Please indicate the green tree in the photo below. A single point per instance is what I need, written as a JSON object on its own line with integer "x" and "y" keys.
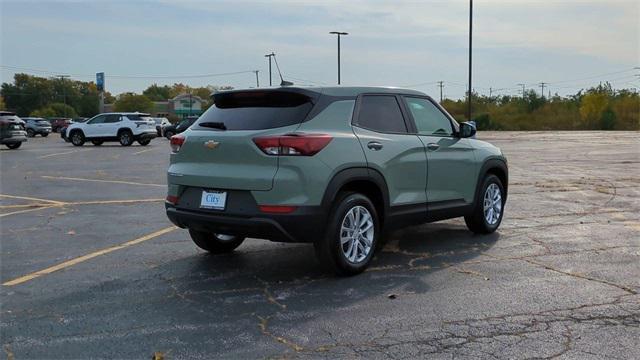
{"x": 157, "y": 93}
{"x": 592, "y": 106}
{"x": 133, "y": 102}
{"x": 2, "y": 104}
{"x": 55, "y": 110}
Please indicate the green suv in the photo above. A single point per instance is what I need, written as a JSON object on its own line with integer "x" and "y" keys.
{"x": 332, "y": 166}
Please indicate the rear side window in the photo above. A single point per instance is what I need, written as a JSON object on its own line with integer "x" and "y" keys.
{"x": 381, "y": 113}
{"x": 256, "y": 110}
{"x": 133, "y": 117}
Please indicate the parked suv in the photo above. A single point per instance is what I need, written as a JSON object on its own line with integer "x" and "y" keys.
{"x": 37, "y": 126}
{"x": 161, "y": 122}
{"x": 332, "y": 166}
{"x": 123, "y": 127}
{"x": 12, "y": 132}
{"x": 59, "y": 123}
{"x": 181, "y": 126}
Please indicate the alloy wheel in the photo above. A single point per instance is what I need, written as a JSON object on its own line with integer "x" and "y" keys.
{"x": 492, "y": 204}
{"x": 356, "y": 234}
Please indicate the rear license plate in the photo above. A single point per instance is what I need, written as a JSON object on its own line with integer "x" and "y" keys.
{"x": 213, "y": 200}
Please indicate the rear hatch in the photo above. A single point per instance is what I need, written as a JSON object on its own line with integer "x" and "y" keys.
{"x": 219, "y": 152}
{"x": 143, "y": 121}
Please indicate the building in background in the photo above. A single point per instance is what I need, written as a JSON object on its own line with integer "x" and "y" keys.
{"x": 181, "y": 106}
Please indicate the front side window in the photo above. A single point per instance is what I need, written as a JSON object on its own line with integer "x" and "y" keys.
{"x": 381, "y": 113}
{"x": 428, "y": 118}
{"x": 97, "y": 120}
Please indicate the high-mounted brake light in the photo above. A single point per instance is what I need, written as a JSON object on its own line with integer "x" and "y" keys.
{"x": 176, "y": 143}
{"x": 294, "y": 144}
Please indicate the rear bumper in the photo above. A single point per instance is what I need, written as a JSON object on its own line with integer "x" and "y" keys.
{"x": 305, "y": 224}
{"x": 146, "y": 136}
{"x": 14, "y": 139}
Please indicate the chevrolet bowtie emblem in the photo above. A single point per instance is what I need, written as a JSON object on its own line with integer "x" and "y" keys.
{"x": 211, "y": 144}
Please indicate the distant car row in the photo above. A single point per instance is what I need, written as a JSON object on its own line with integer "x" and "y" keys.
{"x": 123, "y": 127}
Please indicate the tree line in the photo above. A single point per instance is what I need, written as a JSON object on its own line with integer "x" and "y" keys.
{"x": 597, "y": 108}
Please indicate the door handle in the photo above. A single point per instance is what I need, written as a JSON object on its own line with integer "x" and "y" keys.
{"x": 433, "y": 146}
{"x": 374, "y": 145}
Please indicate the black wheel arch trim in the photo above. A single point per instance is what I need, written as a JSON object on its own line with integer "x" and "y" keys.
{"x": 348, "y": 175}
{"x": 494, "y": 162}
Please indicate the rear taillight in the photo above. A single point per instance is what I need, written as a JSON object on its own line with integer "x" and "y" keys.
{"x": 171, "y": 199}
{"x": 294, "y": 144}
{"x": 176, "y": 142}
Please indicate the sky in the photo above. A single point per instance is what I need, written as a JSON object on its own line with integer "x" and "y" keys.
{"x": 567, "y": 44}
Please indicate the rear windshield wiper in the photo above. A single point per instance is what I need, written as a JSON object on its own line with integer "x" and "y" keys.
{"x": 214, "y": 125}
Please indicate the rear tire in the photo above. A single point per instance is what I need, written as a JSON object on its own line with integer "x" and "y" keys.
{"x": 125, "y": 137}
{"x": 215, "y": 243}
{"x": 44, "y": 134}
{"x": 97, "y": 142}
{"x": 144, "y": 142}
{"x": 31, "y": 133}
{"x": 489, "y": 207}
{"x": 13, "y": 146}
{"x": 169, "y": 134}
{"x": 77, "y": 138}
{"x": 352, "y": 235}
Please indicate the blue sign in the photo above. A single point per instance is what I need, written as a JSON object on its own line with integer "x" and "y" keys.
{"x": 100, "y": 81}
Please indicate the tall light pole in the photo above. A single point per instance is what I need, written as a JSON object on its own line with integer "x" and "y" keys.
{"x": 339, "y": 33}
{"x": 470, "y": 43}
{"x": 64, "y": 92}
{"x": 257, "y": 81}
{"x": 270, "y": 56}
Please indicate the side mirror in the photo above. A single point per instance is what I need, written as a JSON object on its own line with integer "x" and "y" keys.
{"x": 467, "y": 129}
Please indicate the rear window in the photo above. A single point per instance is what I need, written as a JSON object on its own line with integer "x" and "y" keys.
{"x": 256, "y": 110}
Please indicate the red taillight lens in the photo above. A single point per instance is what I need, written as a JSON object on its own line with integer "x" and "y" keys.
{"x": 171, "y": 199}
{"x": 277, "y": 209}
{"x": 295, "y": 144}
{"x": 176, "y": 142}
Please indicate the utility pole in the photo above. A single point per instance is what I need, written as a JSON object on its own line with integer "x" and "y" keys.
{"x": 64, "y": 92}
{"x": 490, "y": 92}
{"x": 523, "y": 90}
{"x": 338, "y": 33}
{"x": 257, "y": 81}
{"x": 542, "y": 84}
{"x": 470, "y": 47}
{"x": 440, "y": 85}
{"x": 270, "y": 56}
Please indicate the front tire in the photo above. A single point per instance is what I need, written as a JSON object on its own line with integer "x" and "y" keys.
{"x": 489, "y": 207}
{"x": 13, "y": 146}
{"x": 144, "y": 142}
{"x": 215, "y": 243}
{"x": 44, "y": 134}
{"x": 352, "y": 235}
{"x": 77, "y": 138}
{"x": 125, "y": 137}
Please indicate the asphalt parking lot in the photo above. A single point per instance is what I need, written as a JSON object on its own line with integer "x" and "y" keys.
{"x": 91, "y": 267}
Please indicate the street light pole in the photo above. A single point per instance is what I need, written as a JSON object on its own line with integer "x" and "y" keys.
{"x": 339, "y": 34}
{"x": 470, "y": 43}
{"x": 64, "y": 92}
{"x": 270, "y": 56}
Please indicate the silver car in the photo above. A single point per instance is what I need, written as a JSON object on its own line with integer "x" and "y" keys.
{"x": 37, "y": 126}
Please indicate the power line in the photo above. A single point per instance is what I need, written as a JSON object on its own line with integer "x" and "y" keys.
{"x": 132, "y": 76}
